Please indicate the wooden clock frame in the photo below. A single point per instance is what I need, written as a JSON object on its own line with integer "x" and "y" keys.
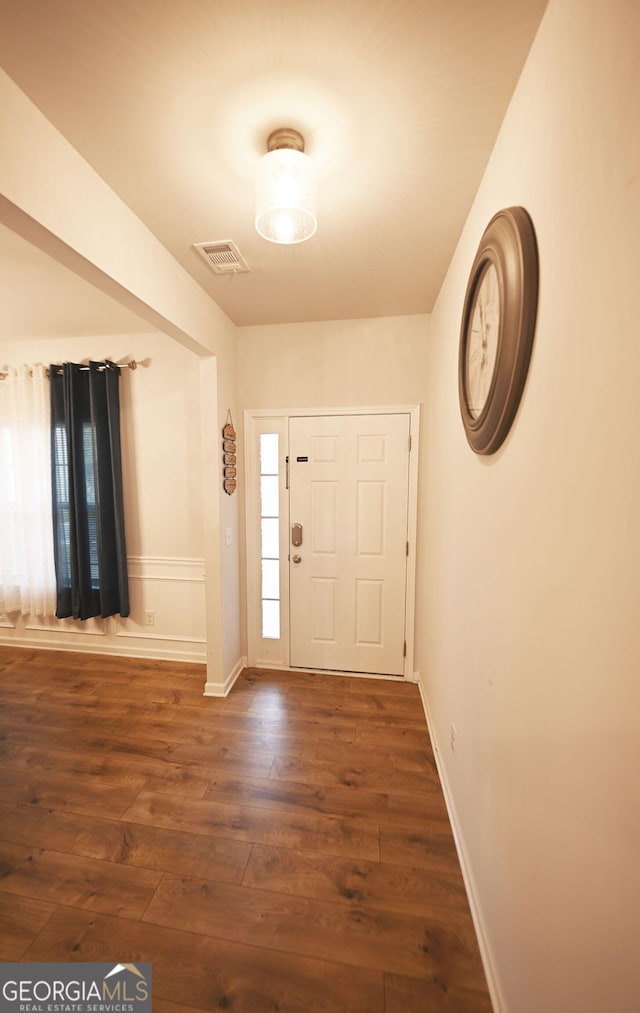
{"x": 509, "y": 243}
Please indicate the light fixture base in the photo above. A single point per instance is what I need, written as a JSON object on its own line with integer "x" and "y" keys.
{"x": 285, "y": 137}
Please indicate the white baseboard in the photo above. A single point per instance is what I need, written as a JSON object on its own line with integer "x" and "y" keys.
{"x": 486, "y": 953}
{"x": 196, "y": 656}
{"x": 215, "y": 689}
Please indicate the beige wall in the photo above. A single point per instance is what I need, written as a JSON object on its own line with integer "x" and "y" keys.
{"x": 528, "y": 600}
{"x": 337, "y": 362}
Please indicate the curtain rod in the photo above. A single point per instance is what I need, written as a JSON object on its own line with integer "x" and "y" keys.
{"x": 132, "y": 364}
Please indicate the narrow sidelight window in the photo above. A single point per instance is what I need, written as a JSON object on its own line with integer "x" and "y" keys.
{"x": 270, "y": 536}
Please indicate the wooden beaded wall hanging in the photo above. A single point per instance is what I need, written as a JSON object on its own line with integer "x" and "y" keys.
{"x": 229, "y": 458}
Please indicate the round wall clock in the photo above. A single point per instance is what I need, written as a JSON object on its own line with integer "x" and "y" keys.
{"x": 498, "y": 323}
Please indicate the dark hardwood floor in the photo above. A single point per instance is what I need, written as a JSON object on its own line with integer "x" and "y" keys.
{"x": 286, "y": 848}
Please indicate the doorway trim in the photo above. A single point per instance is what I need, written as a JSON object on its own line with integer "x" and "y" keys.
{"x": 275, "y": 654}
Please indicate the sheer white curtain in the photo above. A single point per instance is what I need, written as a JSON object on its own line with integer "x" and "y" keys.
{"x": 27, "y": 575}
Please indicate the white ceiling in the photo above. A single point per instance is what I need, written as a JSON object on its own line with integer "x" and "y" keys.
{"x": 171, "y": 102}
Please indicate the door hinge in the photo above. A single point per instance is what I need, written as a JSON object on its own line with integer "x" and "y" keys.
{"x": 407, "y": 548}
{"x": 409, "y": 443}
{"x": 286, "y": 472}
{"x": 404, "y": 652}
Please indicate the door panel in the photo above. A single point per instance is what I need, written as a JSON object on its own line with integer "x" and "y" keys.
{"x": 348, "y": 490}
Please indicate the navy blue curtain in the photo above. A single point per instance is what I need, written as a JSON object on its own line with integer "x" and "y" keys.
{"x": 86, "y": 478}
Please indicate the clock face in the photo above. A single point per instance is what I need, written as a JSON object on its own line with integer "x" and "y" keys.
{"x": 482, "y": 341}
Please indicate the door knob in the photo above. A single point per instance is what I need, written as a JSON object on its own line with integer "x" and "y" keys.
{"x": 297, "y": 559}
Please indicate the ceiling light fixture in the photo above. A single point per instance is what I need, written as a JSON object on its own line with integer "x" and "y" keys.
{"x": 286, "y": 190}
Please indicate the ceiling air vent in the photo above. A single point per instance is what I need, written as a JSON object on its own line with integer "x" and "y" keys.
{"x": 223, "y": 257}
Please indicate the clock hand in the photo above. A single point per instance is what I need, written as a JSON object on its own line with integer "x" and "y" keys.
{"x": 483, "y": 327}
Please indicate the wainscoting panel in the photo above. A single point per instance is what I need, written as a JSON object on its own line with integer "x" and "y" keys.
{"x": 88, "y": 627}
{"x": 167, "y": 619}
{"x": 167, "y": 608}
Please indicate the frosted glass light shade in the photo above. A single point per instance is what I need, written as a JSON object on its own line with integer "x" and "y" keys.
{"x": 286, "y": 197}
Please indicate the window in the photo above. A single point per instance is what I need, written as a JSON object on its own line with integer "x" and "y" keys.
{"x": 270, "y": 535}
{"x": 61, "y": 461}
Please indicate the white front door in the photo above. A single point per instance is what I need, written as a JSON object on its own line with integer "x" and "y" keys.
{"x": 349, "y": 479}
